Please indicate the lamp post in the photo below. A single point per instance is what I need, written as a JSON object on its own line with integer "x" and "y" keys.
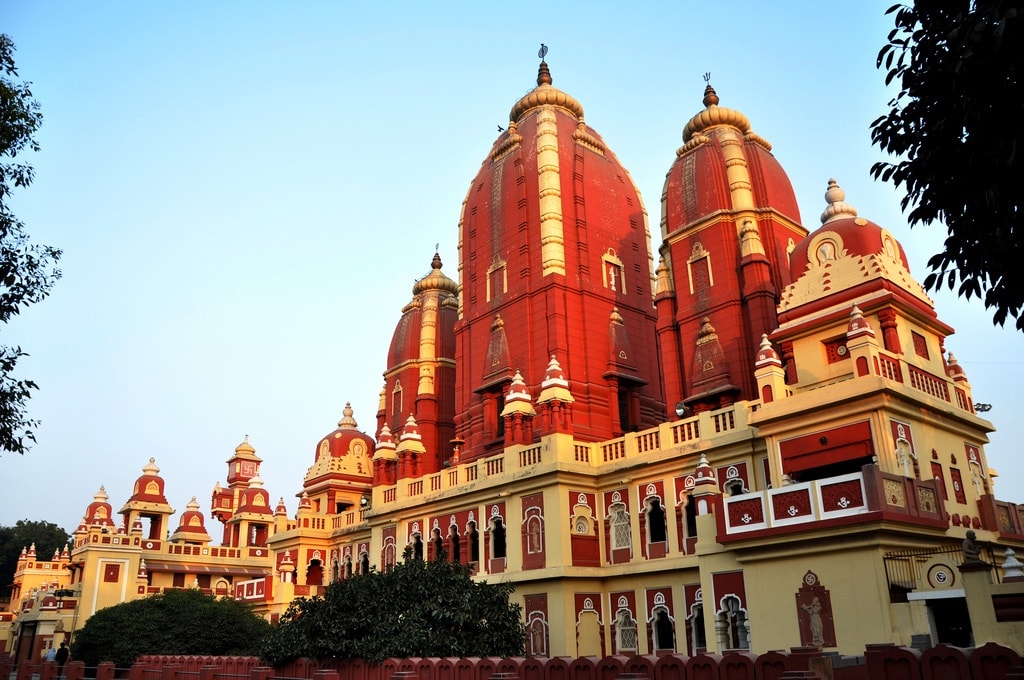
{"x": 60, "y": 595}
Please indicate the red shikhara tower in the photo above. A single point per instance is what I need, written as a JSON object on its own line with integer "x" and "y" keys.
{"x": 555, "y": 272}
{"x": 415, "y": 416}
{"x": 729, "y": 221}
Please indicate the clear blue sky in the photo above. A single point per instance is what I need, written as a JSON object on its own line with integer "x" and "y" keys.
{"x": 246, "y": 191}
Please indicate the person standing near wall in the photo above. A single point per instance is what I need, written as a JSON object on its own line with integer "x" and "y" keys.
{"x": 61, "y": 657}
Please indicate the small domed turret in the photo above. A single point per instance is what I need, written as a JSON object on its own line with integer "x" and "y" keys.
{"x": 150, "y": 486}
{"x": 192, "y": 528}
{"x": 346, "y": 451}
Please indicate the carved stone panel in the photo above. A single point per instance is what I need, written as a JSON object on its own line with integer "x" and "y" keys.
{"x": 814, "y": 613}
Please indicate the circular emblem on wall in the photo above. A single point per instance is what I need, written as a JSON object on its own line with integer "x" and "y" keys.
{"x": 259, "y": 553}
{"x": 149, "y": 545}
{"x": 810, "y": 578}
{"x": 941, "y": 576}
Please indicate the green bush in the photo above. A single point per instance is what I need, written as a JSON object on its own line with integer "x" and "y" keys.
{"x": 174, "y": 622}
{"x": 416, "y": 609}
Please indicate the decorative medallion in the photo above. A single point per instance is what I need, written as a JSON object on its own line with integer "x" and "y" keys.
{"x": 941, "y": 576}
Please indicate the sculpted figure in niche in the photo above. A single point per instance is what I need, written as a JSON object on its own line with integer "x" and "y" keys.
{"x": 817, "y": 627}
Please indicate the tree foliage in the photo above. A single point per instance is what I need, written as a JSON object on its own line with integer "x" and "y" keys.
{"x": 955, "y": 128}
{"x": 416, "y": 609}
{"x": 27, "y": 270}
{"x": 180, "y": 621}
{"x": 46, "y": 536}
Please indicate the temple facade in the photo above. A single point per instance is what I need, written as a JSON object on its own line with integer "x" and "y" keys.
{"x": 755, "y": 440}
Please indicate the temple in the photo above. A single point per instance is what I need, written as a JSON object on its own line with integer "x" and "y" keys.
{"x": 754, "y": 438}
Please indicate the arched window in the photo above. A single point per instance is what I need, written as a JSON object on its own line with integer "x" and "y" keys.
{"x": 315, "y": 573}
{"x": 473, "y": 538}
{"x": 734, "y": 487}
{"x": 396, "y": 399}
{"x": 389, "y": 553}
{"x": 455, "y": 544}
{"x": 691, "y": 516}
{"x": 364, "y": 563}
{"x": 348, "y": 566}
{"x": 698, "y": 638}
{"x": 735, "y": 633}
{"x": 437, "y": 543}
{"x": 497, "y": 537}
{"x": 664, "y": 635}
{"x": 656, "y": 527}
{"x": 335, "y": 570}
{"x": 625, "y": 632}
{"x": 621, "y": 536}
{"x": 417, "y": 547}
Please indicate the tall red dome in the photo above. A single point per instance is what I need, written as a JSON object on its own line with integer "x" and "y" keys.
{"x": 420, "y": 377}
{"x": 729, "y": 220}
{"x": 553, "y": 239}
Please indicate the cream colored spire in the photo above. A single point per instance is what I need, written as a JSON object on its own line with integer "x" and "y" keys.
{"x": 431, "y": 290}
{"x": 663, "y": 278}
{"x": 552, "y": 233}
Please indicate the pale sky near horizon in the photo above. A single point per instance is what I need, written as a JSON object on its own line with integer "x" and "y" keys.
{"x": 245, "y": 193}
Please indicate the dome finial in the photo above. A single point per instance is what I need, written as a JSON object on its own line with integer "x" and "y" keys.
{"x": 542, "y": 95}
{"x": 435, "y": 278}
{"x": 837, "y": 205}
{"x": 543, "y": 73}
{"x": 710, "y": 96}
{"x": 347, "y": 421}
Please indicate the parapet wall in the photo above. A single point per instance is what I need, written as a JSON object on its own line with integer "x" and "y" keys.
{"x": 880, "y": 662}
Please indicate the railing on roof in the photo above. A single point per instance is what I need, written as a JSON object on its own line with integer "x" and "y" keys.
{"x": 729, "y": 422}
{"x": 937, "y": 386}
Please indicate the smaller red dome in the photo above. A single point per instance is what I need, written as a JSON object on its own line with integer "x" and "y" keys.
{"x": 842, "y": 233}
{"x": 192, "y": 519}
{"x": 193, "y": 525}
{"x": 345, "y": 451}
{"x": 99, "y": 512}
{"x": 150, "y": 486}
{"x": 345, "y": 440}
{"x": 255, "y": 499}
